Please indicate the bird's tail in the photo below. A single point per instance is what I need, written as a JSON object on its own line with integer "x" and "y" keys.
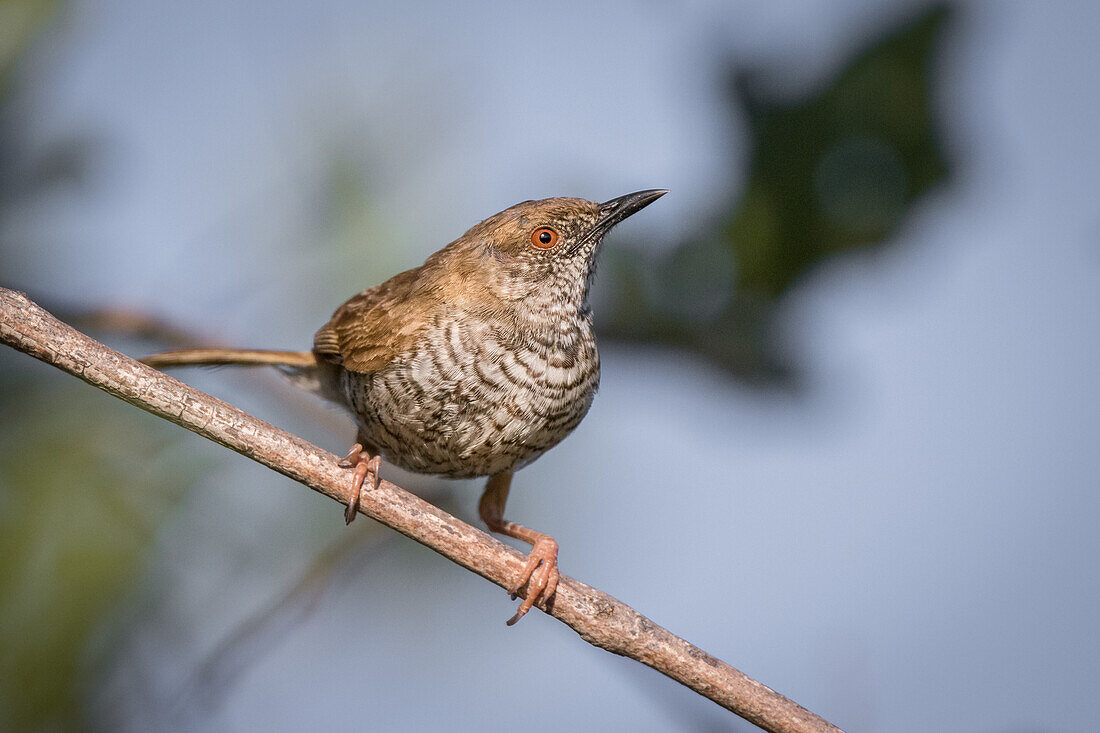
{"x": 232, "y": 357}
{"x": 300, "y": 367}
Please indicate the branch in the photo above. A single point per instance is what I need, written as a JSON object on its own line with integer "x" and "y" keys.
{"x": 598, "y": 618}
{"x": 134, "y": 324}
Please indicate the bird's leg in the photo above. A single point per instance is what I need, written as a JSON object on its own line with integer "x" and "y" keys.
{"x": 544, "y": 548}
{"x": 365, "y": 465}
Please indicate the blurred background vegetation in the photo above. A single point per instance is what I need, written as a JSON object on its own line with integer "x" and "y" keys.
{"x": 830, "y": 172}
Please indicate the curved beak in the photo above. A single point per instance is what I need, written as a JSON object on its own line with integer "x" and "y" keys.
{"x": 617, "y": 209}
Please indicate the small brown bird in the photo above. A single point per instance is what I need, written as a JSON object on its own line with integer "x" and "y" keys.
{"x": 473, "y": 364}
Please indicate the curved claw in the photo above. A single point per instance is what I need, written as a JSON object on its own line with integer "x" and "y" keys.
{"x": 541, "y": 584}
{"x": 365, "y": 465}
{"x": 352, "y": 457}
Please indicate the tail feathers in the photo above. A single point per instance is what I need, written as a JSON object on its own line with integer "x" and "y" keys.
{"x": 231, "y": 357}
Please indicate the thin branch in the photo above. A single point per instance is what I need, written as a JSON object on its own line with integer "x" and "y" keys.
{"x": 598, "y": 618}
{"x": 134, "y": 324}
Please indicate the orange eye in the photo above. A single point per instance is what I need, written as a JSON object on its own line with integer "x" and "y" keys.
{"x": 544, "y": 238}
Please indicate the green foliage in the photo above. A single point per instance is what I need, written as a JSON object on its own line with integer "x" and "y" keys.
{"x": 830, "y": 173}
{"x": 77, "y": 513}
{"x": 836, "y": 171}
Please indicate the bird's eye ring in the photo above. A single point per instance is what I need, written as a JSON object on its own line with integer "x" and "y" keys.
{"x": 544, "y": 237}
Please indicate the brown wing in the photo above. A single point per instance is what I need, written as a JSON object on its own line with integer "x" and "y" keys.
{"x": 372, "y": 328}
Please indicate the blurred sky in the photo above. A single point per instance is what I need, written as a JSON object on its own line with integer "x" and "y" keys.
{"x": 908, "y": 545}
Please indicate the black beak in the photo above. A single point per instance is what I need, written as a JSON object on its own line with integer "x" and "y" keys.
{"x": 617, "y": 209}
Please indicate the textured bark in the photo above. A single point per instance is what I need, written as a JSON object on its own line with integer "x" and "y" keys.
{"x": 598, "y": 618}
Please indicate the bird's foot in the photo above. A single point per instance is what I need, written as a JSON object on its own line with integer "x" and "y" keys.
{"x": 540, "y": 574}
{"x": 365, "y": 465}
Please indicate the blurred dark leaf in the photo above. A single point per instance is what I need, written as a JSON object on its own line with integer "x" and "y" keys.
{"x": 839, "y": 170}
{"x": 833, "y": 172}
{"x": 66, "y": 161}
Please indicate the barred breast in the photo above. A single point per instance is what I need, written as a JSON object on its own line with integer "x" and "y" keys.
{"x": 474, "y": 398}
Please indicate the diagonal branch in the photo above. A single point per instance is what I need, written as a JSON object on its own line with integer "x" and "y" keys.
{"x": 598, "y": 618}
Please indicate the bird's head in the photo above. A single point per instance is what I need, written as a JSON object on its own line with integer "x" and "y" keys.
{"x": 547, "y": 246}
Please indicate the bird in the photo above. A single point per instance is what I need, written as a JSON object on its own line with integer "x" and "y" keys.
{"x": 473, "y": 364}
